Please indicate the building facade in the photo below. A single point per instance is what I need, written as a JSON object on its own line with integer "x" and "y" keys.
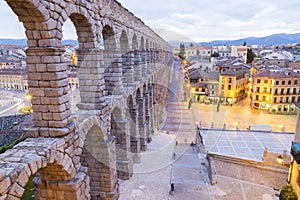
{"x": 239, "y": 51}
{"x": 275, "y": 90}
{"x": 234, "y": 85}
{"x": 199, "y": 51}
{"x": 13, "y": 79}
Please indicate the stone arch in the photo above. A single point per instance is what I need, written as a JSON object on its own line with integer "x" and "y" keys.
{"x": 132, "y": 114}
{"x": 85, "y": 30}
{"x": 42, "y": 158}
{"x": 142, "y": 43}
{"x": 147, "y": 101}
{"x": 112, "y": 62}
{"x": 141, "y": 118}
{"x": 35, "y": 18}
{"x": 108, "y": 35}
{"x": 85, "y": 56}
{"x": 120, "y": 130}
{"x": 135, "y": 44}
{"x": 127, "y": 61}
{"x": 124, "y": 43}
{"x": 98, "y": 155}
{"x": 147, "y": 44}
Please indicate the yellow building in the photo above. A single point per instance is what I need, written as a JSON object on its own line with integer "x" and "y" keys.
{"x": 234, "y": 84}
{"x": 13, "y": 79}
{"x": 275, "y": 90}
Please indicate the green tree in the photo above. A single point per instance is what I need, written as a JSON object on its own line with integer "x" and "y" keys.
{"x": 182, "y": 54}
{"x": 288, "y": 193}
{"x": 245, "y": 43}
{"x": 198, "y": 52}
{"x": 250, "y": 55}
{"x": 191, "y": 45}
{"x": 215, "y": 54}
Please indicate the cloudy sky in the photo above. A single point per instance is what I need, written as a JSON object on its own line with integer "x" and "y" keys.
{"x": 196, "y": 20}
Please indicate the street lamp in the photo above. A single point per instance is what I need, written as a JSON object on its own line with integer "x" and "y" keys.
{"x": 236, "y": 124}
{"x": 279, "y": 159}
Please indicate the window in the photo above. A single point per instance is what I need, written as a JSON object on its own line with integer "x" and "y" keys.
{"x": 257, "y": 97}
{"x": 287, "y": 99}
{"x": 294, "y": 90}
{"x": 265, "y": 90}
{"x": 282, "y": 91}
{"x": 288, "y": 91}
{"x": 213, "y": 92}
{"x": 277, "y": 82}
{"x": 265, "y": 81}
{"x": 293, "y": 99}
{"x": 258, "y": 80}
{"x": 257, "y": 89}
{"x": 264, "y": 98}
{"x": 276, "y": 91}
{"x": 213, "y": 87}
{"x": 229, "y": 87}
{"x": 295, "y": 82}
{"x": 275, "y": 99}
{"x": 229, "y": 80}
{"x": 281, "y": 99}
{"x": 289, "y": 82}
{"x": 283, "y": 83}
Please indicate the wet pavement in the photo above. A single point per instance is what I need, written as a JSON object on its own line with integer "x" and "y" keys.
{"x": 241, "y": 116}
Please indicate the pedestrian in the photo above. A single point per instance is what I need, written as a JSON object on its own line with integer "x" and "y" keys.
{"x": 172, "y": 191}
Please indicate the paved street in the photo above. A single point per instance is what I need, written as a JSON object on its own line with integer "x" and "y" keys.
{"x": 12, "y": 109}
{"x": 187, "y": 168}
{"x": 242, "y": 115}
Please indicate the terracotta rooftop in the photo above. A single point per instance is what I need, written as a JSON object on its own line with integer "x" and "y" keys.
{"x": 294, "y": 65}
{"x": 277, "y": 74}
{"x": 234, "y": 72}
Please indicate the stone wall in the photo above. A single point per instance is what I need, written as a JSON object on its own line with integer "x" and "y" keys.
{"x": 247, "y": 170}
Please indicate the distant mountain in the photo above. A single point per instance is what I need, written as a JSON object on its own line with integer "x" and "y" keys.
{"x": 18, "y": 42}
{"x": 281, "y": 38}
{"x": 23, "y": 42}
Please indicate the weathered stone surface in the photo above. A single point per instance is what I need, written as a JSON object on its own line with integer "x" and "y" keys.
{"x": 17, "y": 190}
{"x": 4, "y": 185}
{"x": 2, "y": 174}
{"x": 109, "y": 79}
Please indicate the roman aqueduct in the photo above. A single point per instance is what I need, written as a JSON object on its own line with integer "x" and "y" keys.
{"x": 123, "y": 90}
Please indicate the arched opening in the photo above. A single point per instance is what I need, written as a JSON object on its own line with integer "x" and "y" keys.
{"x": 120, "y": 129}
{"x": 141, "y": 120}
{"x": 98, "y": 155}
{"x": 135, "y": 44}
{"x": 70, "y": 45}
{"x": 112, "y": 61}
{"x": 147, "y": 112}
{"x": 15, "y": 99}
{"x": 83, "y": 58}
{"x": 132, "y": 114}
{"x": 137, "y": 58}
{"x": 127, "y": 58}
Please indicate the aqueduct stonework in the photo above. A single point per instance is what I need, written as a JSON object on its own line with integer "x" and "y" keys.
{"x": 123, "y": 88}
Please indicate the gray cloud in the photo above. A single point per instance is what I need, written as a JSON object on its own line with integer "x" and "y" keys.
{"x": 220, "y": 19}
{"x": 196, "y": 20}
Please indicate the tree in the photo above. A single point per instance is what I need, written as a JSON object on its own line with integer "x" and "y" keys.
{"x": 198, "y": 52}
{"x": 191, "y": 45}
{"x": 250, "y": 55}
{"x": 182, "y": 54}
{"x": 215, "y": 54}
{"x": 245, "y": 43}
